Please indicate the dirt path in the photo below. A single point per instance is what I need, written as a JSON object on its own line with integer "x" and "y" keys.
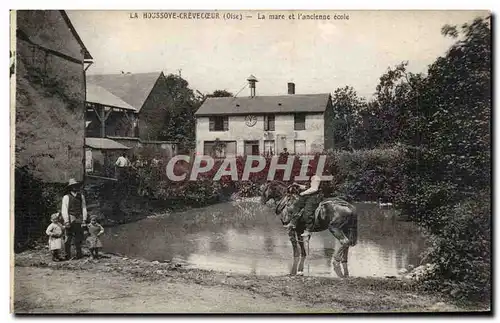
{"x": 41, "y": 290}
{"x": 121, "y": 285}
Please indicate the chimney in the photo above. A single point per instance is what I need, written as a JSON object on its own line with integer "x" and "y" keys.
{"x": 291, "y": 88}
{"x": 251, "y": 82}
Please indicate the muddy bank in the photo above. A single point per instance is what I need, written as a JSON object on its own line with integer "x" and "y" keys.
{"x": 119, "y": 284}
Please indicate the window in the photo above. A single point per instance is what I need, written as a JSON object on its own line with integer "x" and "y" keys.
{"x": 269, "y": 122}
{"x": 300, "y": 146}
{"x": 269, "y": 147}
{"x": 300, "y": 121}
{"x": 252, "y": 147}
{"x": 218, "y": 123}
{"x": 219, "y": 149}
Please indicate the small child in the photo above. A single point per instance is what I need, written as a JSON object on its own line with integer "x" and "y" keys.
{"x": 55, "y": 231}
{"x": 95, "y": 230}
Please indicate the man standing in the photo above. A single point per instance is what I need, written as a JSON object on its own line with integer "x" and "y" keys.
{"x": 284, "y": 153}
{"x": 74, "y": 213}
{"x": 308, "y": 200}
{"x": 121, "y": 164}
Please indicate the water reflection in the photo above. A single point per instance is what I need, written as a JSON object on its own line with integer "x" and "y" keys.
{"x": 249, "y": 238}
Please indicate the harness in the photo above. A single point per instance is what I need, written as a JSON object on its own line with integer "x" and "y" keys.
{"x": 282, "y": 204}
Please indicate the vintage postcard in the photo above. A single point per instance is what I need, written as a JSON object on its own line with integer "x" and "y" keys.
{"x": 186, "y": 161}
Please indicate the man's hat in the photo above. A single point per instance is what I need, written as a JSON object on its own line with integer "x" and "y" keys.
{"x": 73, "y": 182}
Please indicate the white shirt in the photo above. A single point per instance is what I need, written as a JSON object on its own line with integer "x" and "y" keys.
{"x": 315, "y": 181}
{"x": 121, "y": 162}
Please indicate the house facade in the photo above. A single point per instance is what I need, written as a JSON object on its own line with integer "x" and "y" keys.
{"x": 50, "y": 95}
{"x": 268, "y": 125}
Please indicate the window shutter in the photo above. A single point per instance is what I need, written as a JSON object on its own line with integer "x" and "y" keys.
{"x": 211, "y": 124}
{"x": 271, "y": 123}
{"x": 226, "y": 123}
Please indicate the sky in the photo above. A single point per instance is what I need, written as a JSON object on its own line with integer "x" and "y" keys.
{"x": 318, "y": 56}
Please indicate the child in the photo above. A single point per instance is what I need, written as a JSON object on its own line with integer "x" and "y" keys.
{"x": 95, "y": 230}
{"x": 55, "y": 232}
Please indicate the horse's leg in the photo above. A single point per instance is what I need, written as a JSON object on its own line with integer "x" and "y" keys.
{"x": 293, "y": 239}
{"x": 344, "y": 261}
{"x": 303, "y": 252}
{"x": 335, "y": 263}
{"x": 340, "y": 254}
{"x": 338, "y": 258}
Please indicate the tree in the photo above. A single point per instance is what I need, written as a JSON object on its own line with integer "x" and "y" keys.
{"x": 179, "y": 120}
{"x": 389, "y": 113}
{"x": 455, "y": 109}
{"x": 220, "y": 94}
{"x": 347, "y": 105}
{"x": 449, "y": 161}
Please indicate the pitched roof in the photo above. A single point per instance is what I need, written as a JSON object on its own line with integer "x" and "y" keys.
{"x": 104, "y": 144}
{"x": 134, "y": 89}
{"x": 39, "y": 28}
{"x": 265, "y": 104}
{"x": 86, "y": 53}
{"x": 100, "y": 95}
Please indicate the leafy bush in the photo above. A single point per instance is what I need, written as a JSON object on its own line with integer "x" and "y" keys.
{"x": 367, "y": 175}
{"x": 462, "y": 250}
{"x": 34, "y": 202}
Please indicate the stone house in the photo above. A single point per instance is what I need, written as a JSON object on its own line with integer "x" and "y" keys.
{"x": 256, "y": 125}
{"x": 50, "y": 95}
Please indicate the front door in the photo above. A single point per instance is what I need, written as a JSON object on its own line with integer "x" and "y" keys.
{"x": 252, "y": 147}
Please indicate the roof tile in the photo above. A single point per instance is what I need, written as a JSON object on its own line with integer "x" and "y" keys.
{"x": 131, "y": 88}
{"x": 265, "y": 104}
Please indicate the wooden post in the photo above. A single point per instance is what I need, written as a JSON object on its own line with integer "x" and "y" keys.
{"x": 102, "y": 116}
{"x": 103, "y": 122}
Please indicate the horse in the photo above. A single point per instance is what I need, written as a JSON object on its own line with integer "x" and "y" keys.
{"x": 333, "y": 214}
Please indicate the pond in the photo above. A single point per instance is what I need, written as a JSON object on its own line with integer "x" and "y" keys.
{"x": 246, "y": 237}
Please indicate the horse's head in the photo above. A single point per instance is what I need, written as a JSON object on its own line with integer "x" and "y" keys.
{"x": 265, "y": 193}
{"x": 284, "y": 208}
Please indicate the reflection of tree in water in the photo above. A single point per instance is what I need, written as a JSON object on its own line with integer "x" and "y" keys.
{"x": 269, "y": 244}
{"x": 184, "y": 246}
{"x": 383, "y": 229}
{"x": 218, "y": 242}
{"x": 253, "y": 269}
{"x": 328, "y": 247}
